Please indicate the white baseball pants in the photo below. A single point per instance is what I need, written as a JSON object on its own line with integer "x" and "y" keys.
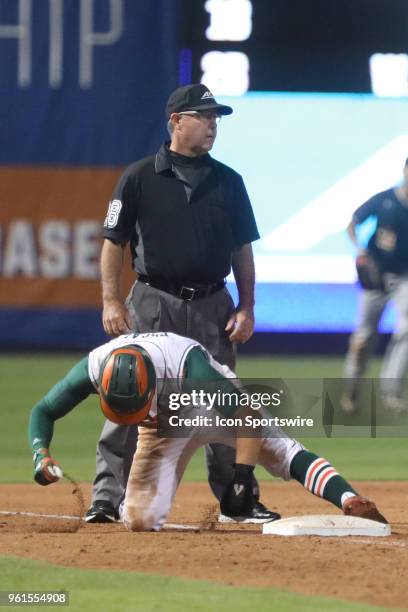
{"x": 159, "y": 464}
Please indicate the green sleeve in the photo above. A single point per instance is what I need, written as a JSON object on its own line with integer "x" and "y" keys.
{"x": 61, "y": 399}
{"x": 199, "y": 368}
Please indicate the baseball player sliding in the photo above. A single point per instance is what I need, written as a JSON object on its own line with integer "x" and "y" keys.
{"x": 134, "y": 375}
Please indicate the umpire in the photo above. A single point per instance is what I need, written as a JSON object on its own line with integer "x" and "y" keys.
{"x": 188, "y": 220}
{"x": 383, "y": 274}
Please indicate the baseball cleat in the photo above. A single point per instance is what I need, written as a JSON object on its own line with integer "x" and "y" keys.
{"x": 348, "y": 402}
{"x": 395, "y": 404}
{"x": 363, "y": 508}
{"x": 101, "y": 512}
{"x": 259, "y": 514}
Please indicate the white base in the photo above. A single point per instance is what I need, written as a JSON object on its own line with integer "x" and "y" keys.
{"x": 326, "y": 525}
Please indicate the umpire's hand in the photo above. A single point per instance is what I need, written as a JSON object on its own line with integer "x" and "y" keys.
{"x": 241, "y": 325}
{"x": 116, "y": 318}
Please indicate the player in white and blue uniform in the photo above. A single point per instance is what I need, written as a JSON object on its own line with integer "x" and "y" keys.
{"x": 388, "y": 247}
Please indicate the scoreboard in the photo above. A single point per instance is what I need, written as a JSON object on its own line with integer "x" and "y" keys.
{"x": 296, "y": 45}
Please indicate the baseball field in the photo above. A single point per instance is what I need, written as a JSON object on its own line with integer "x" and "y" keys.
{"x": 206, "y": 565}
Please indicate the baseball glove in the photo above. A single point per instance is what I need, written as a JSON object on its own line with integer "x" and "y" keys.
{"x": 369, "y": 274}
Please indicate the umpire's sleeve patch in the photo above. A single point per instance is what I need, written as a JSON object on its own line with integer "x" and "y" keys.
{"x": 112, "y": 217}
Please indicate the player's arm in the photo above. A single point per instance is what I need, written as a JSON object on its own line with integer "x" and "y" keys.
{"x": 59, "y": 401}
{"x": 368, "y": 272}
{"x": 362, "y": 260}
{"x": 351, "y": 233}
{"x": 247, "y": 447}
{"x": 199, "y": 368}
{"x": 363, "y": 212}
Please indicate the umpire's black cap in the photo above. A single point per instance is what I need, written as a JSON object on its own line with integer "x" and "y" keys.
{"x": 194, "y": 98}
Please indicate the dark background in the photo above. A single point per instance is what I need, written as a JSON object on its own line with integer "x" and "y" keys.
{"x": 306, "y": 45}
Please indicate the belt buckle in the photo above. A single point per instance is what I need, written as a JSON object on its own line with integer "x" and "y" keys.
{"x": 187, "y": 293}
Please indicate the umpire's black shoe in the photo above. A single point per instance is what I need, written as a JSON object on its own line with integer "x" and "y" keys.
{"x": 101, "y": 511}
{"x": 259, "y": 514}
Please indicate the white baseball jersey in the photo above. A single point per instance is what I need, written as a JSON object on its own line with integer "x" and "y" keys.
{"x": 167, "y": 351}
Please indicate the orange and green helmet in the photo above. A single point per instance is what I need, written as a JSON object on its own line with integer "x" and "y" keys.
{"x": 127, "y": 383}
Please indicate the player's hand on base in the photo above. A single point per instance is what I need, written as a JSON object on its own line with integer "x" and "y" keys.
{"x": 238, "y": 498}
{"x": 240, "y": 325}
{"x": 116, "y": 318}
{"x": 46, "y": 469}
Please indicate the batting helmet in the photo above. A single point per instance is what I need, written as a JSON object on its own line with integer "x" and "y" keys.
{"x": 127, "y": 383}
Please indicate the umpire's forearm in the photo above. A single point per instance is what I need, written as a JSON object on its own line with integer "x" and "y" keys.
{"x": 111, "y": 269}
{"x": 61, "y": 399}
{"x": 244, "y": 273}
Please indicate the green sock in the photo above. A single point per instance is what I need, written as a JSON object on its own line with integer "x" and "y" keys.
{"x": 320, "y": 478}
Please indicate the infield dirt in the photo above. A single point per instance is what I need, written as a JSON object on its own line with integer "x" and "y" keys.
{"x": 370, "y": 570}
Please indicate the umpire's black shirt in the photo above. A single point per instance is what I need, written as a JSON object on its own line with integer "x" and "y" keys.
{"x": 181, "y": 230}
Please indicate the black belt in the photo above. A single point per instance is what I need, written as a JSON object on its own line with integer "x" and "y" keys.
{"x": 182, "y": 291}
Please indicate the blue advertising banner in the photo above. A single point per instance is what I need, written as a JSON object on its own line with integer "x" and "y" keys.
{"x": 83, "y": 87}
{"x": 84, "y": 82}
